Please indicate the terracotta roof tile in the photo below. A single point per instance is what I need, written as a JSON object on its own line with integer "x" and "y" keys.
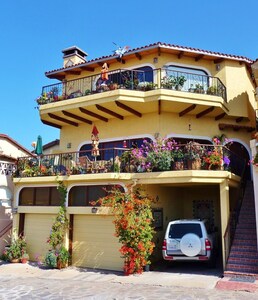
{"x": 164, "y": 45}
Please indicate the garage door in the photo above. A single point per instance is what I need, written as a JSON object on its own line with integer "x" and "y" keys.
{"x": 37, "y": 229}
{"x": 94, "y": 243}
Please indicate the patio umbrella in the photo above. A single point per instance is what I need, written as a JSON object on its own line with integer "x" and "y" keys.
{"x": 95, "y": 142}
{"x": 39, "y": 147}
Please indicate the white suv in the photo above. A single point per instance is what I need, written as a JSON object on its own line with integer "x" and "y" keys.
{"x": 189, "y": 240}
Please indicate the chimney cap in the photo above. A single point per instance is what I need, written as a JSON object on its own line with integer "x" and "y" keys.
{"x": 74, "y": 50}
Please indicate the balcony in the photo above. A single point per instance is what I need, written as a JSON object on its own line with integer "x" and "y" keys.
{"x": 191, "y": 156}
{"x": 137, "y": 80}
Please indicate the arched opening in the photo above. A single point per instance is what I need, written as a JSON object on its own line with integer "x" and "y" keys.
{"x": 239, "y": 160}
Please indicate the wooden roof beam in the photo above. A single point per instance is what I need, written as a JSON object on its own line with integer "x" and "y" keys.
{"x": 73, "y": 72}
{"x": 187, "y": 110}
{"x": 68, "y": 114}
{"x": 220, "y": 116}
{"x": 205, "y": 112}
{"x": 197, "y": 58}
{"x": 110, "y": 112}
{"x": 180, "y": 54}
{"x": 55, "y": 117}
{"x": 119, "y": 59}
{"x": 235, "y": 127}
{"x": 240, "y": 119}
{"x": 87, "y": 69}
{"x": 138, "y": 55}
{"x": 92, "y": 114}
{"x": 218, "y": 61}
{"x": 51, "y": 124}
{"x": 129, "y": 109}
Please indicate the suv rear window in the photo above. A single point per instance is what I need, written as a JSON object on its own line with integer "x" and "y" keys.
{"x": 177, "y": 231}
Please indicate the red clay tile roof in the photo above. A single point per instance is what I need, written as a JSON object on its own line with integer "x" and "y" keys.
{"x": 163, "y": 45}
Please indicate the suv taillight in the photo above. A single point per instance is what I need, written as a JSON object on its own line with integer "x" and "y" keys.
{"x": 207, "y": 245}
{"x": 164, "y": 246}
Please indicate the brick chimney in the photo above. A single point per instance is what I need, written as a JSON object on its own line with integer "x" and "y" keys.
{"x": 73, "y": 55}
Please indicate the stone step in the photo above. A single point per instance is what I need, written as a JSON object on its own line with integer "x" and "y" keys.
{"x": 243, "y": 254}
{"x": 243, "y": 268}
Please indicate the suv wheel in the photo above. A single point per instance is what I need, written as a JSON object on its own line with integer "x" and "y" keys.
{"x": 190, "y": 244}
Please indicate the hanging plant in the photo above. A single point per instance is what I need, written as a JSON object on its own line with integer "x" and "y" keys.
{"x": 133, "y": 226}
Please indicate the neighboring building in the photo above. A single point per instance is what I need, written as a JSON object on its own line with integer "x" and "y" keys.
{"x": 9, "y": 151}
{"x": 51, "y": 147}
{"x": 159, "y": 90}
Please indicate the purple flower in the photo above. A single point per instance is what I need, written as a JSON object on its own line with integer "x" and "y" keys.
{"x": 226, "y": 160}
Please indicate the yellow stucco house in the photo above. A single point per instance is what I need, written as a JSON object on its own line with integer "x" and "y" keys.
{"x": 155, "y": 91}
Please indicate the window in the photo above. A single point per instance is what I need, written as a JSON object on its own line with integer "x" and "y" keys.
{"x": 84, "y": 195}
{"x": 194, "y": 78}
{"x": 107, "y": 150}
{"x": 39, "y": 196}
{"x": 146, "y": 74}
{"x": 131, "y": 78}
{"x": 177, "y": 231}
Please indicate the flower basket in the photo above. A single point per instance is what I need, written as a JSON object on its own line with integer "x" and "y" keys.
{"x": 194, "y": 164}
{"x": 179, "y": 165}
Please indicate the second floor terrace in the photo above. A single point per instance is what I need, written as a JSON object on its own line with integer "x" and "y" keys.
{"x": 146, "y": 159}
{"x": 166, "y": 78}
{"x": 165, "y": 84}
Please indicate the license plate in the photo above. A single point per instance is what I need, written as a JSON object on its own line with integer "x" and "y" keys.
{"x": 173, "y": 245}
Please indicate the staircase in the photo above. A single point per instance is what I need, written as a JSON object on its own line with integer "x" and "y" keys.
{"x": 243, "y": 257}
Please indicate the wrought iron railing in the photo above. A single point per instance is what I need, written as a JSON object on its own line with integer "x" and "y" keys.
{"x": 165, "y": 78}
{"x": 126, "y": 161}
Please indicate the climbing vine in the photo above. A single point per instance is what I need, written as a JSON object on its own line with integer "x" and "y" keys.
{"x": 57, "y": 251}
{"x": 133, "y": 226}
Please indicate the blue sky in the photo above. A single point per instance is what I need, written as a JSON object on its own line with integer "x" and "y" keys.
{"x": 33, "y": 34}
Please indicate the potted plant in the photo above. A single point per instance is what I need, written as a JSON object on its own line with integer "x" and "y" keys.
{"x": 214, "y": 160}
{"x": 113, "y": 86}
{"x": 167, "y": 82}
{"x": 50, "y": 259}
{"x": 212, "y": 90}
{"x": 191, "y": 89}
{"x": 62, "y": 258}
{"x": 179, "y": 82}
{"x": 199, "y": 88}
{"x": 146, "y": 86}
{"x": 173, "y": 82}
{"x": 178, "y": 157}
{"x": 194, "y": 154}
{"x": 24, "y": 258}
{"x": 17, "y": 247}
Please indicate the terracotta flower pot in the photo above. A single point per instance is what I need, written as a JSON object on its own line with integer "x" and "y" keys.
{"x": 15, "y": 260}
